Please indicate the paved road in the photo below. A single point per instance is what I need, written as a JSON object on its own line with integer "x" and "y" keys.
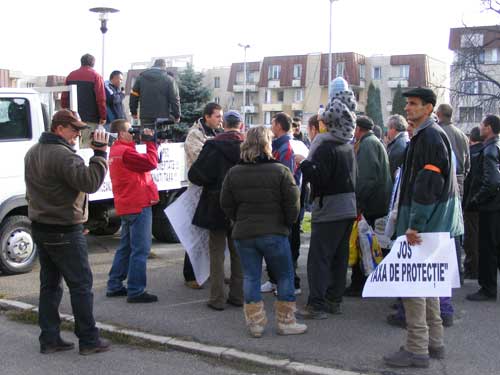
{"x": 355, "y": 340}
{"x": 19, "y": 355}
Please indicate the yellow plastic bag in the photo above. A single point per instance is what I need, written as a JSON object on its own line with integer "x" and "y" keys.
{"x": 354, "y": 245}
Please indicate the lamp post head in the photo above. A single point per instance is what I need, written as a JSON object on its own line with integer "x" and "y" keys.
{"x": 103, "y": 16}
{"x": 245, "y": 46}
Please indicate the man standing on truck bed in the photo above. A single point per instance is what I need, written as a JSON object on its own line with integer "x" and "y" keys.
{"x": 157, "y": 93}
{"x": 57, "y": 186}
{"x": 91, "y": 96}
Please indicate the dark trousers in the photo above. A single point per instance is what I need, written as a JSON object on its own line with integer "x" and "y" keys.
{"x": 188, "y": 269}
{"x": 64, "y": 255}
{"x": 489, "y": 251}
{"x": 327, "y": 261}
{"x": 294, "y": 239}
{"x": 471, "y": 242}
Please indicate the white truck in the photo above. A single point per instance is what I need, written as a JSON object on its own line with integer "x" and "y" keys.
{"x": 24, "y": 115}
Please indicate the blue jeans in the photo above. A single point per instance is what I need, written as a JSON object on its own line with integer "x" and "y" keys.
{"x": 132, "y": 254}
{"x": 276, "y": 251}
{"x": 64, "y": 255}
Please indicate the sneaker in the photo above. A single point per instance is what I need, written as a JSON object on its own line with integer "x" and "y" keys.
{"x": 404, "y": 358}
{"x": 117, "y": 293}
{"x": 193, "y": 284}
{"x": 60, "y": 346}
{"x": 396, "y": 320}
{"x": 447, "y": 320}
{"x": 480, "y": 296}
{"x": 437, "y": 352}
{"x": 143, "y": 298}
{"x": 102, "y": 345}
{"x": 311, "y": 313}
{"x": 267, "y": 287}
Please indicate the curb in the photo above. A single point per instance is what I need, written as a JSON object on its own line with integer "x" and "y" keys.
{"x": 213, "y": 351}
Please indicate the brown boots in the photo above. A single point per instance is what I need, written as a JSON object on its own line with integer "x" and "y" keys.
{"x": 285, "y": 317}
{"x": 255, "y": 317}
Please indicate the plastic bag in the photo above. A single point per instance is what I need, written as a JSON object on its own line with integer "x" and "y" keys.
{"x": 354, "y": 245}
{"x": 371, "y": 253}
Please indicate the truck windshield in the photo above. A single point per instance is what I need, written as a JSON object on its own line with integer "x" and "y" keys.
{"x": 14, "y": 119}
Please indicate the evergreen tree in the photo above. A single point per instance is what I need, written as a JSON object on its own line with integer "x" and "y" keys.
{"x": 373, "y": 105}
{"x": 398, "y": 102}
{"x": 194, "y": 95}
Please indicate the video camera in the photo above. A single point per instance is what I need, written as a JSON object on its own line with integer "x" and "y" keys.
{"x": 163, "y": 129}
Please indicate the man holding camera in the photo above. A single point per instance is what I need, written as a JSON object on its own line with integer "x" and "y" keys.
{"x": 57, "y": 186}
{"x": 134, "y": 193}
{"x": 158, "y": 95}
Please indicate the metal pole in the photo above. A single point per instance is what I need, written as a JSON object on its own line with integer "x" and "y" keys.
{"x": 330, "y": 50}
{"x": 244, "y": 84}
{"x": 103, "y": 56}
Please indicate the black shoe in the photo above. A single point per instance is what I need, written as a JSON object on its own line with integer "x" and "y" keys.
{"x": 234, "y": 303}
{"x": 447, "y": 320}
{"x": 352, "y": 292}
{"x": 60, "y": 346}
{"x": 102, "y": 345}
{"x": 143, "y": 298}
{"x": 215, "y": 307}
{"x": 118, "y": 293}
{"x": 334, "y": 308}
{"x": 480, "y": 296}
{"x": 437, "y": 352}
{"x": 396, "y": 320}
{"x": 311, "y": 313}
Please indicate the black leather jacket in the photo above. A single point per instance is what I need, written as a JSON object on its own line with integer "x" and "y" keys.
{"x": 487, "y": 198}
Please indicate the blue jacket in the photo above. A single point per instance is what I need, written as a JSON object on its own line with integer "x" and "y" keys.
{"x": 283, "y": 152}
{"x": 114, "y": 102}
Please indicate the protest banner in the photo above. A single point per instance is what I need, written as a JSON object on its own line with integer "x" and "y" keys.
{"x": 426, "y": 270}
{"x": 194, "y": 239}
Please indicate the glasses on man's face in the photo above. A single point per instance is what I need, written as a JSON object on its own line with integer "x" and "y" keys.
{"x": 76, "y": 129}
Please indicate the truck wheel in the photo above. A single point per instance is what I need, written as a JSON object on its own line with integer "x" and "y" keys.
{"x": 17, "y": 248}
{"x": 162, "y": 229}
{"x": 107, "y": 230}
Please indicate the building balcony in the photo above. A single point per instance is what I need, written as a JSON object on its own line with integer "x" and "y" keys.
{"x": 395, "y": 81}
{"x": 272, "y": 107}
{"x": 249, "y": 109}
{"x": 273, "y": 84}
{"x": 296, "y": 82}
{"x": 251, "y": 87}
{"x": 298, "y": 106}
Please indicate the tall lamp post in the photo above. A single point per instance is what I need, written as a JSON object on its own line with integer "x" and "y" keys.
{"x": 103, "y": 17}
{"x": 330, "y": 48}
{"x": 244, "y": 46}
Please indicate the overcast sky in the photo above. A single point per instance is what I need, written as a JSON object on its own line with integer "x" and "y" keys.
{"x": 49, "y": 37}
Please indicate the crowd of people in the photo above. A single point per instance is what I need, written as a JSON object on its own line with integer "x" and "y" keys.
{"x": 255, "y": 189}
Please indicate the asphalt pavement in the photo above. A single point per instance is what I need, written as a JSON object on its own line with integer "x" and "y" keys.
{"x": 355, "y": 340}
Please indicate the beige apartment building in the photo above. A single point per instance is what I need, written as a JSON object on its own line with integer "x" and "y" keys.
{"x": 474, "y": 74}
{"x": 298, "y": 84}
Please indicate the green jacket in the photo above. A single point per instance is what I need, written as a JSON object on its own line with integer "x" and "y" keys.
{"x": 260, "y": 198}
{"x": 374, "y": 184}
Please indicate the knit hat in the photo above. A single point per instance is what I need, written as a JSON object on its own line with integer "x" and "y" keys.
{"x": 339, "y": 116}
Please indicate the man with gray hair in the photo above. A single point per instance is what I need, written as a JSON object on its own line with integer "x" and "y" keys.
{"x": 398, "y": 138}
{"x": 156, "y": 92}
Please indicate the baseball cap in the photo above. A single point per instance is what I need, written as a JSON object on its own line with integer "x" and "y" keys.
{"x": 68, "y": 117}
{"x": 423, "y": 93}
{"x": 234, "y": 115}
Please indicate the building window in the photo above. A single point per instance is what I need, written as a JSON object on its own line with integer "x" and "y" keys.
{"x": 217, "y": 100}
{"x": 281, "y": 96}
{"x": 470, "y": 114}
{"x": 404, "y": 71}
{"x": 216, "y": 82}
{"x": 299, "y": 95}
{"x": 377, "y": 72}
{"x": 492, "y": 56}
{"x": 268, "y": 96}
{"x": 339, "y": 69}
{"x": 248, "y": 99}
{"x": 471, "y": 40}
{"x": 274, "y": 72}
{"x": 267, "y": 118}
{"x": 471, "y": 87}
{"x": 297, "y": 71}
{"x": 249, "y": 119}
{"x": 362, "y": 71}
{"x": 14, "y": 119}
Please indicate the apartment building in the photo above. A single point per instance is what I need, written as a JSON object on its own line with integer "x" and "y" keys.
{"x": 298, "y": 84}
{"x": 474, "y": 74}
{"x": 216, "y": 79}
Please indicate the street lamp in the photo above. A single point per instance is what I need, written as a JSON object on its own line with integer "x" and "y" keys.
{"x": 244, "y": 46}
{"x": 330, "y": 48}
{"x": 103, "y": 17}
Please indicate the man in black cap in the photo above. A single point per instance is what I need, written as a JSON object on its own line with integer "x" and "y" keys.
{"x": 157, "y": 95}
{"x": 57, "y": 186}
{"x": 428, "y": 202}
{"x": 373, "y": 188}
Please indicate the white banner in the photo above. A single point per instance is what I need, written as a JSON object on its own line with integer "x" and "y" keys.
{"x": 194, "y": 239}
{"x": 426, "y": 270}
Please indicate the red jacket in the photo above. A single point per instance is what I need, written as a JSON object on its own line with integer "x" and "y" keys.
{"x": 130, "y": 171}
{"x": 91, "y": 94}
